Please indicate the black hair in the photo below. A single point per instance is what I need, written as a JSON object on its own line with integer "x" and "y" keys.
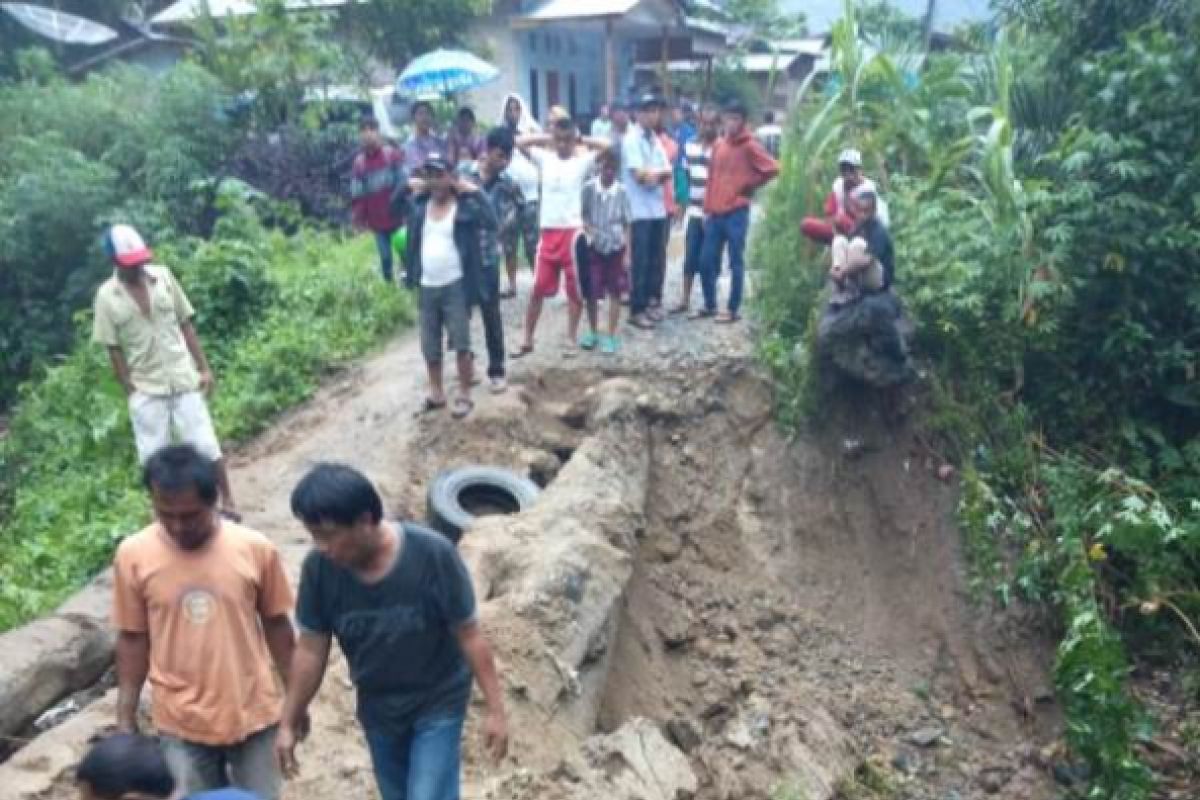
{"x": 468, "y": 112}
{"x": 608, "y": 156}
{"x": 769, "y": 117}
{"x": 501, "y": 138}
{"x": 126, "y": 763}
{"x": 738, "y": 108}
{"x": 565, "y": 124}
{"x": 417, "y": 106}
{"x": 179, "y": 467}
{"x": 368, "y": 123}
{"x": 335, "y": 493}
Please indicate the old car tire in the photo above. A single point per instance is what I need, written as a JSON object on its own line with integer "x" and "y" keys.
{"x": 457, "y": 496}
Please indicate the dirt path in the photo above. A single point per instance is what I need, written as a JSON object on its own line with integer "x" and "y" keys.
{"x": 780, "y": 589}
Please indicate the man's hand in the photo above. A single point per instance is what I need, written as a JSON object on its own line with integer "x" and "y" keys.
{"x": 207, "y": 382}
{"x": 127, "y": 723}
{"x": 495, "y": 734}
{"x": 466, "y": 187}
{"x": 286, "y": 739}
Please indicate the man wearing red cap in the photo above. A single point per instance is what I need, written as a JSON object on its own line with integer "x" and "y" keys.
{"x": 145, "y": 320}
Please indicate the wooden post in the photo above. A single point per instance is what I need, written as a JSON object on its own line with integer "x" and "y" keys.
{"x": 610, "y": 62}
{"x": 666, "y": 63}
{"x": 708, "y": 79}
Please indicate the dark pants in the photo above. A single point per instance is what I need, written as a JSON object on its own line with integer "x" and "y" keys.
{"x": 649, "y": 262}
{"x": 493, "y": 333}
{"x": 694, "y": 247}
{"x": 383, "y": 243}
{"x": 721, "y": 230}
{"x": 660, "y": 275}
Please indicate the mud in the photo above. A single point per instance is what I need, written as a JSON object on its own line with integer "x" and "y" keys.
{"x": 696, "y": 607}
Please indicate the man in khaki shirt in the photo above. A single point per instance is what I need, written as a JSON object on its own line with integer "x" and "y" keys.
{"x": 144, "y": 319}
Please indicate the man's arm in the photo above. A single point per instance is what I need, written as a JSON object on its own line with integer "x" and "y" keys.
{"x": 194, "y": 347}
{"x": 530, "y": 141}
{"x": 595, "y": 143}
{"x": 765, "y": 168}
{"x": 133, "y": 664}
{"x": 281, "y": 641}
{"x": 308, "y": 670}
{"x": 121, "y": 369}
{"x": 478, "y": 653}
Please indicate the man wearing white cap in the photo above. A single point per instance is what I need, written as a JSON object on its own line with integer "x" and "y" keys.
{"x": 145, "y": 320}
{"x": 839, "y": 214}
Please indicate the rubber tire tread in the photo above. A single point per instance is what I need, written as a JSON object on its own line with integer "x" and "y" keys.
{"x": 445, "y": 512}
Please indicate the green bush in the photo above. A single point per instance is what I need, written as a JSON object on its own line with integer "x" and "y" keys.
{"x": 121, "y": 146}
{"x": 274, "y": 312}
{"x": 1044, "y": 220}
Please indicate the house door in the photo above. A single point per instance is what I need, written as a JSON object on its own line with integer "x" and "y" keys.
{"x": 535, "y": 99}
{"x": 571, "y": 98}
{"x": 553, "y": 94}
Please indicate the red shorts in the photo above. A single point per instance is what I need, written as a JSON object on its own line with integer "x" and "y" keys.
{"x": 555, "y": 257}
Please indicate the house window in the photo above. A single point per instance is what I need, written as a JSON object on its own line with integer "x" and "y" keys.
{"x": 571, "y": 48}
{"x": 571, "y": 106}
{"x": 535, "y": 97}
{"x": 548, "y": 43}
{"x": 533, "y": 42}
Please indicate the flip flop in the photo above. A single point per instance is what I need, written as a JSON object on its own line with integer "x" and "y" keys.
{"x": 641, "y": 324}
{"x": 521, "y": 352}
{"x": 508, "y": 295}
{"x": 702, "y": 313}
{"x": 431, "y": 405}
{"x": 725, "y": 318}
{"x": 678, "y": 310}
{"x": 462, "y": 407}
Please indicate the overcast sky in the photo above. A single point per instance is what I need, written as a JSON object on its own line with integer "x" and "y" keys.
{"x": 949, "y": 12}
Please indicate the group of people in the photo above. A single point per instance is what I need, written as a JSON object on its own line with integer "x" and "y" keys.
{"x": 593, "y": 213}
{"x": 203, "y": 611}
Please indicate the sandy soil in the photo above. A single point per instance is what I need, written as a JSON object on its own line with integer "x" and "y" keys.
{"x": 778, "y": 583}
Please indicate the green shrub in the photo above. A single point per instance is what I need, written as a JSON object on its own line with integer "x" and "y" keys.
{"x": 70, "y": 474}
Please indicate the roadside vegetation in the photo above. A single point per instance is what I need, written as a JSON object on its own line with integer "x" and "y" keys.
{"x": 1043, "y": 185}
{"x": 282, "y": 294}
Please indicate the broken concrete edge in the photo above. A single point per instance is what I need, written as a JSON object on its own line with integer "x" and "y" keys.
{"x": 43, "y": 661}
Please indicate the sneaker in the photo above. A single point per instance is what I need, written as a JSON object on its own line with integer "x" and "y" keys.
{"x": 589, "y": 341}
{"x": 609, "y": 345}
{"x": 498, "y": 384}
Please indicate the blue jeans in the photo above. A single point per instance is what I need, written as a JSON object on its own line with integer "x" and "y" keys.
{"x": 422, "y": 764}
{"x": 383, "y": 242}
{"x": 721, "y": 230}
{"x": 648, "y": 258}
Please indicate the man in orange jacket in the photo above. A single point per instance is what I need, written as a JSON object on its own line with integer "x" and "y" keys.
{"x": 739, "y": 167}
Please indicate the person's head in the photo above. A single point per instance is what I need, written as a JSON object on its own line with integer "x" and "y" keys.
{"x": 342, "y": 511}
{"x": 650, "y": 113}
{"x": 850, "y": 167}
{"x": 368, "y": 133}
{"x": 128, "y": 251}
{"x": 678, "y": 117}
{"x": 439, "y": 176}
{"x": 465, "y": 121}
{"x": 564, "y": 137}
{"x": 182, "y": 483}
{"x": 556, "y": 114}
{"x": 125, "y": 766}
{"x": 512, "y": 111}
{"x": 620, "y": 116}
{"x": 769, "y": 118}
{"x": 710, "y": 123}
{"x": 603, "y": 112}
{"x": 735, "y": 119}
{"x": 865, "y": 203}
{"x": 422, "y": 115}
{"x": 499, "y": 149}
{"x": 608, "y": 162}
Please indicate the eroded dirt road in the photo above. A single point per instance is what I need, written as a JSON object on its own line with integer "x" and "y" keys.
{"x": 787, "y": 616}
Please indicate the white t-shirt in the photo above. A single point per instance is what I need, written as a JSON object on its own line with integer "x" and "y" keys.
{"x": 441, "y": 264}
{"x": 563, "y": 180}
{"x": 525, "y": 173}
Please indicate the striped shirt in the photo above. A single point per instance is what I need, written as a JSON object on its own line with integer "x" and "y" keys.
{"x": 698, "y": 154}
{"x": 606, "y": 215}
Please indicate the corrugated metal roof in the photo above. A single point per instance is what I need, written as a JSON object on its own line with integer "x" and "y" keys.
{"x": 812, "y": 46}
{"x": 578, "y": 9}
{"x": 190, "y": 10}
{"x": 766, "y": 62}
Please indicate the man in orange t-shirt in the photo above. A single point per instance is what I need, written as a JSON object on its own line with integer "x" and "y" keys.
{"x": 202, "y": 608}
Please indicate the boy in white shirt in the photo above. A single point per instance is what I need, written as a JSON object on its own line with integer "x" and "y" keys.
{"x": 565, "y": 170}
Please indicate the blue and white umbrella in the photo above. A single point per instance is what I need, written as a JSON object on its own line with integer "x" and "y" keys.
{"x": 444, "y": 72}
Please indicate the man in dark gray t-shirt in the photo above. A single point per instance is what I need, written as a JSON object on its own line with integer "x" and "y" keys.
{"x": 399, "y": 600}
